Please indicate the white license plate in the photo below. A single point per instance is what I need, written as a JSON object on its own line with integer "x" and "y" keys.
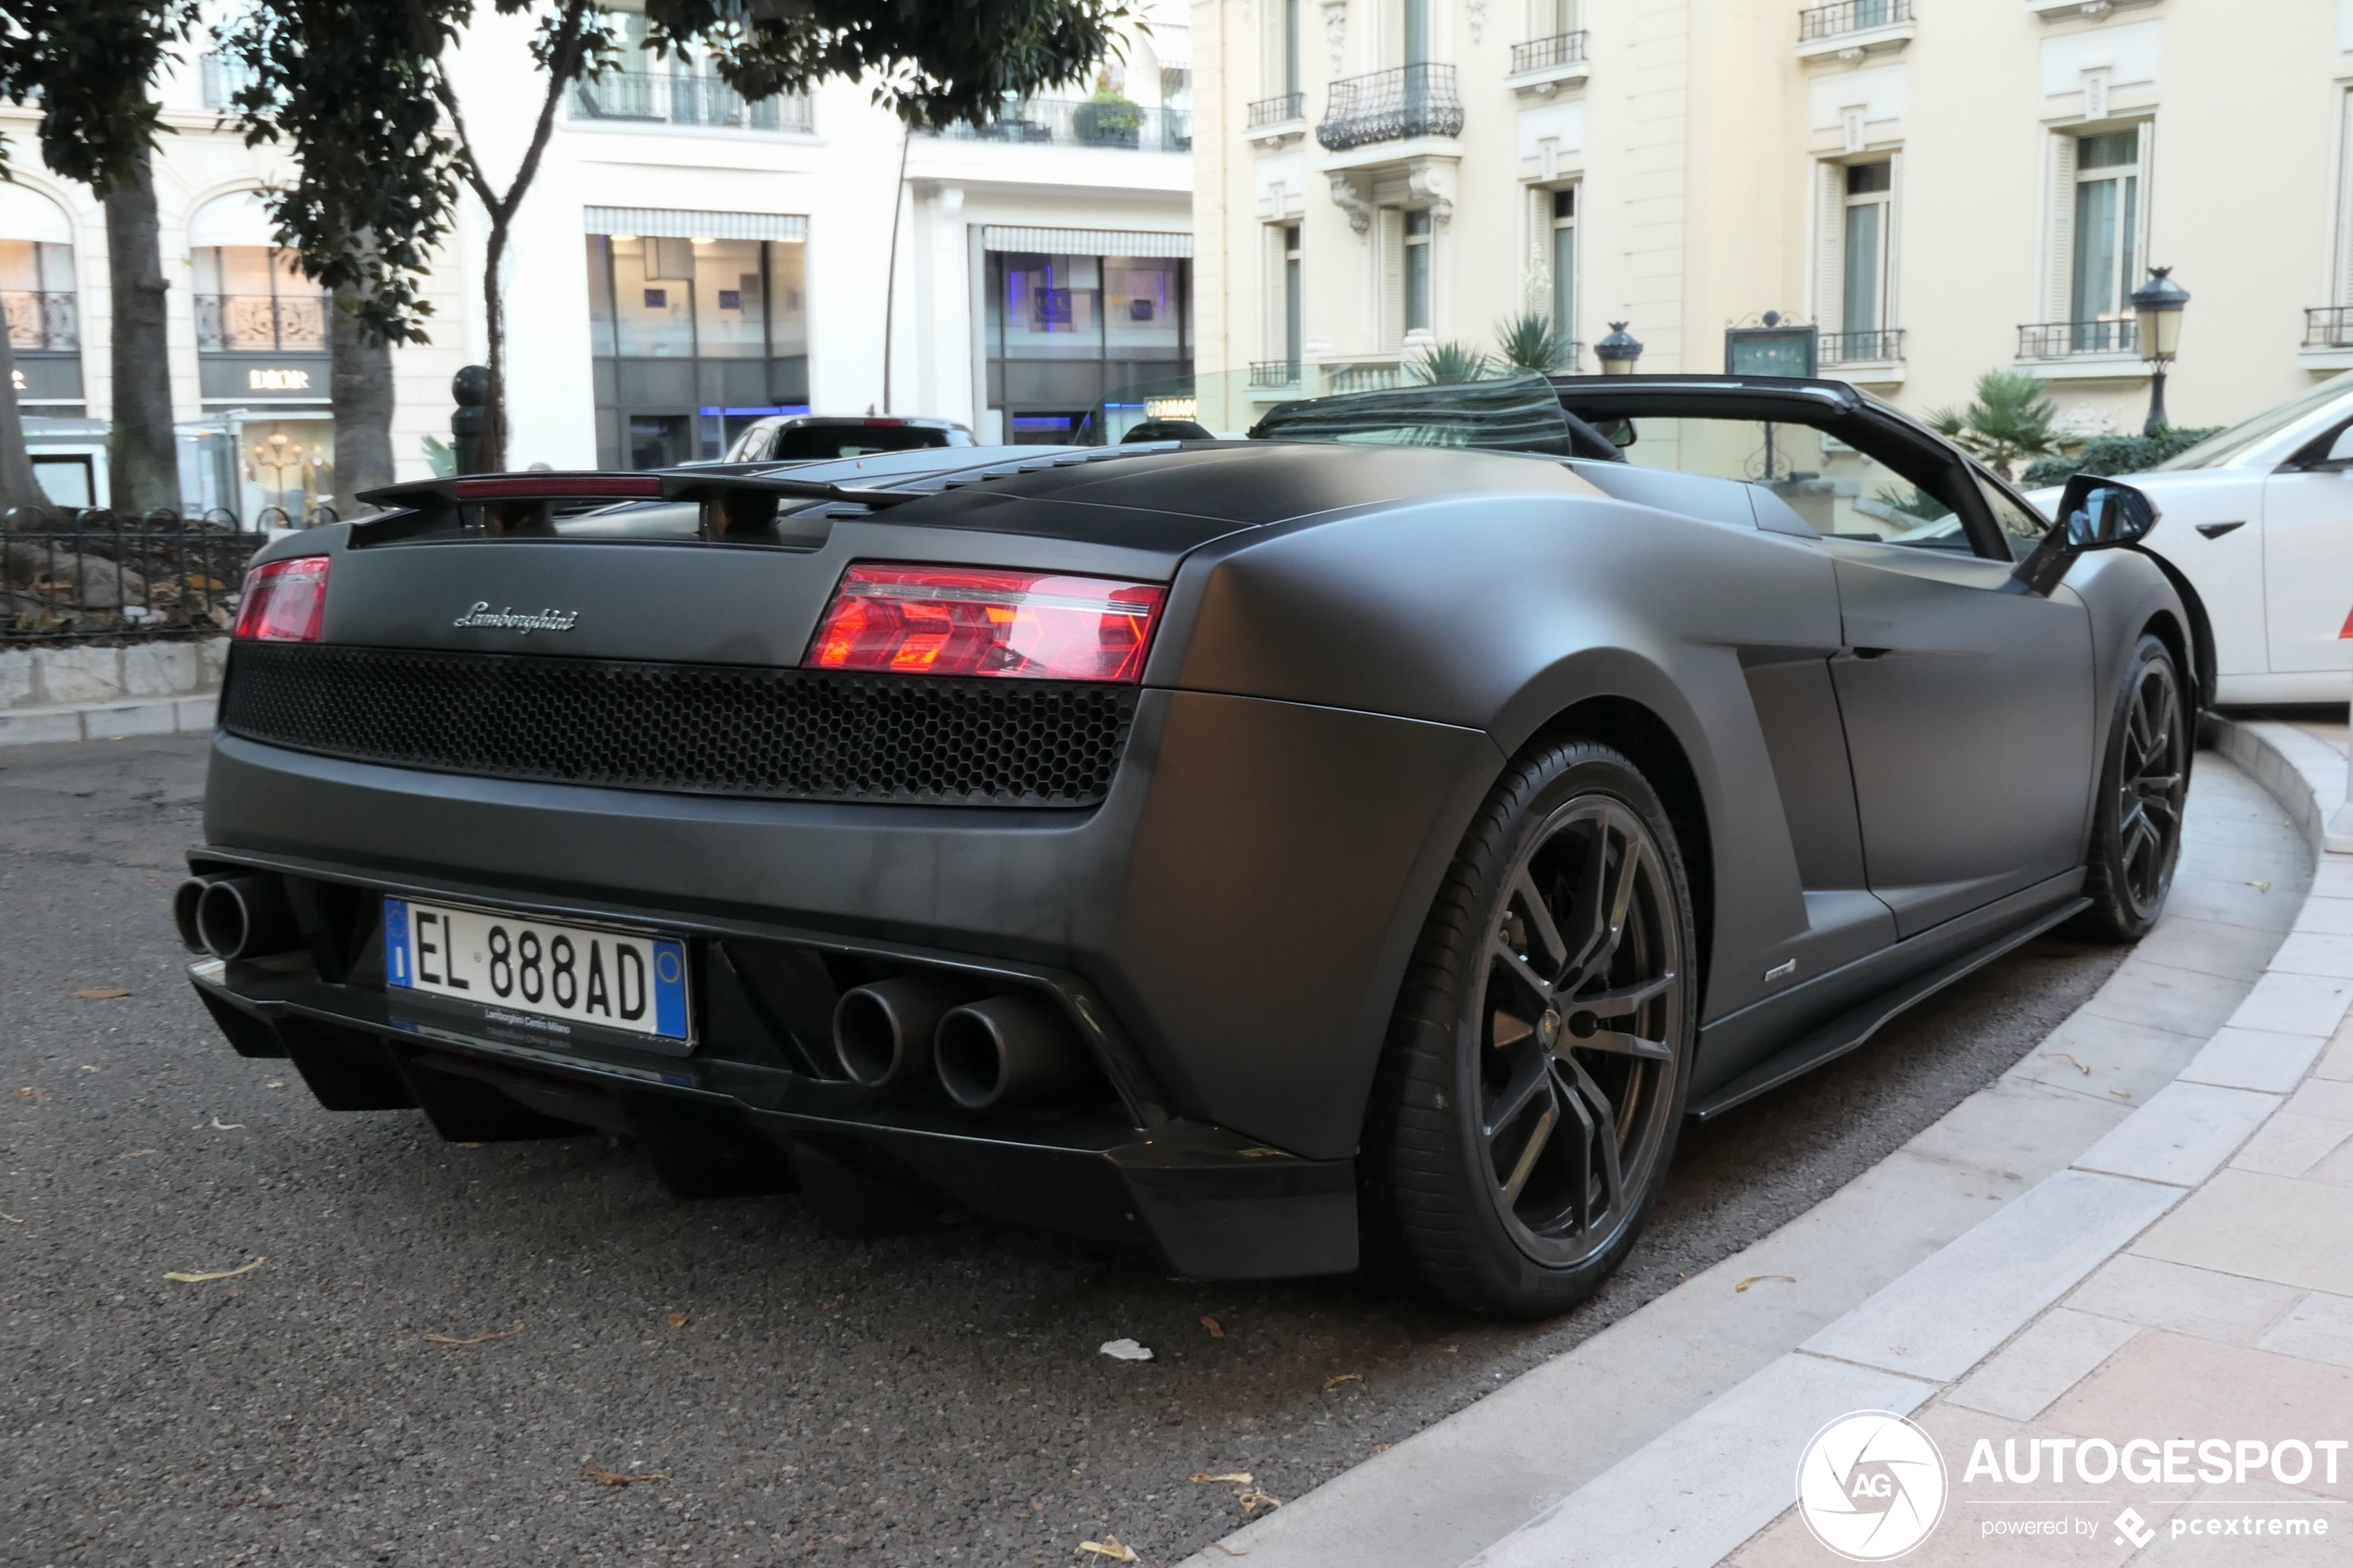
{"x": 629, "y": 980}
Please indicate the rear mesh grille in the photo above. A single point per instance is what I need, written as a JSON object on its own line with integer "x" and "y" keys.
{"x": 696, "y": 728}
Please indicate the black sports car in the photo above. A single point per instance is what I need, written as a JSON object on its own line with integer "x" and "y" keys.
{"x": 1377, "y": 836}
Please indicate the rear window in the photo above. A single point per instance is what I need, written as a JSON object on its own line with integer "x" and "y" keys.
{"x": 803, "y": 442}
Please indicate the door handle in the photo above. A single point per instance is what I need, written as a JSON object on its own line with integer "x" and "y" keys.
{"x": 2216, "y": 530}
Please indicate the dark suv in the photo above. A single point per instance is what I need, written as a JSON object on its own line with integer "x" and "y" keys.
{"x": 810, "y": 437}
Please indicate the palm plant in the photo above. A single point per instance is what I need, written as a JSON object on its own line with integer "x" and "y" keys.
{"x": 1443, "y": 364}
{"x": 1530, "y": 342}
{"x": 2010, "y": 420}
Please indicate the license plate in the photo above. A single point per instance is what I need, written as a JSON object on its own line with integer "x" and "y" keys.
{"x": 629, "y": 980}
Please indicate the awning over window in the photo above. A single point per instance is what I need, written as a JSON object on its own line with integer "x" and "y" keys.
{"x": 1086, "y": 242}
{"x": 671, "y": 225}
{"x": 237, "y": 219}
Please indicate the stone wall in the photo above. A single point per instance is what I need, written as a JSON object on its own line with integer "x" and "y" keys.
{"x": 73, "y": 676}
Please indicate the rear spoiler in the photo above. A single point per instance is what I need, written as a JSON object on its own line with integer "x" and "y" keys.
{"x": 734, "y": 503}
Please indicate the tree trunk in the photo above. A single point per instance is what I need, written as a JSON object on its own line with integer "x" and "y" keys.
{"x": 362, "y": 398}
{"x": 143, "y": 467}
{"x": 490, "y": 449}
{"x": 18, "y": 485}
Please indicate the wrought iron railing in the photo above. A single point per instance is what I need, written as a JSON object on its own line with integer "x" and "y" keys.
{"x": 1086, "y": 122}
{"x": 680, "y": 98}
{"x": 71, "y": 574}
{"x": 1881, "y": 346}
{"x": 261, "y": 324}
{"x": 1389, "y": 106}
{"x": 1278, "y": 109}
{"x": 1548, "y": 53}
{"x": 1850, "y": 15}
{"x": 2329, "y": 326}
{"x": 1274, "y": 372}
{"x": 40, "y": 321}
{"x": 223, "y": 77}
{"x": 2062, "y": 340}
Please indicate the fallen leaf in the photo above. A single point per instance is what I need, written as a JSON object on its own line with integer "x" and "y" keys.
{"x": 2260, "y": 886}
{"x": 2062, "y": 1056}
{"x": 619, "y": 1479}
{"x": 1231, "y": 1551}
{"x": 221, "y": 1126}
{"x": 1216, "y": 1329}
{"x": 464, "y": 1144}
{"x": 87, "y": 1067}
{"x": 2121, "y": 1094}
{"x": 1239, "y": 1477}
{"x": 32, "y": 1094}
{"x": 676, "y": 1320}
{"x": 1380, "y": 1447}
{"x": 11, "y": 1219}
{"x": 1253, "y": 1501}
{"x": 225, "y": 1273}
{"x": 101, "y": 993}
{"x": 1125, "y": 1350}
{"x": 1755, "y": 1279}
{"x": 1108, "y": 1547}
{"x": 477, "y": 1339}
{"x": 138, "y": 1154}
{"x": 275, "y": 1084}
{"x": 829, "y": 1306}
{"x": 1332, "y": 1383}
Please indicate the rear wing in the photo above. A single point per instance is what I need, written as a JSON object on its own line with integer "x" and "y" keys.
{"x": 732, "y": 504}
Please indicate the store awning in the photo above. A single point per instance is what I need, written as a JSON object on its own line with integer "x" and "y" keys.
{"x": 1084, "y": 242}
{"x": 662, "y": 223}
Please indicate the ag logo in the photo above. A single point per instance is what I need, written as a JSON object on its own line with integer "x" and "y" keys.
{"x": 1871, "y": 1486}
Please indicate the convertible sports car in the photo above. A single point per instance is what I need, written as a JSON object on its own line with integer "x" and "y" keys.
{"x": 1372, "y": 838}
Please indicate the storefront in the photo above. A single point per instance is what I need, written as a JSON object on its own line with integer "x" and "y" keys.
{"x": 265, "y": 448}
{"x": 701, "y": 326}
{"x": 1076, "y": 314}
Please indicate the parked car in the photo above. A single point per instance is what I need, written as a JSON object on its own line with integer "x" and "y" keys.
{"x": 1380, "y": 833}
{"x": 811, "y": 437}
{"x": 2259, "y": 527}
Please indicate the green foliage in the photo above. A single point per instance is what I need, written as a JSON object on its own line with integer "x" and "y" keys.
{"x": 1446, "y": 364}
{"x": 1529, "y": 341}
{"x": 1912, "y": 501}
{"x": 92, "y": 65}
{"x": 2010, "y": 420}
{"x": 2117, "y": 455}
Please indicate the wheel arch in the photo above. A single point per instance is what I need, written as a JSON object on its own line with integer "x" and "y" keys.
{"x": 2193, "y": 645}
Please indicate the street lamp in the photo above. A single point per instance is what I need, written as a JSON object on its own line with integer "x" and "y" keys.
{"x": 1618, "y": 351}
{"x": 2156, "y": 304}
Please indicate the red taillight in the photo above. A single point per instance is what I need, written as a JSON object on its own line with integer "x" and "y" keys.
{"x": 285, "y": 601}
{"x": 971, "y": 621}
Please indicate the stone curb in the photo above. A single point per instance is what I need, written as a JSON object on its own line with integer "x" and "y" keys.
{"x": 108, "y": 721}
{"x": 1925, "y": 1333}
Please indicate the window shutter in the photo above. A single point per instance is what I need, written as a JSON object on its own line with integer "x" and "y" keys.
{"x": 1392, "y": 278}
{"x": 2345, "y": 211}
{"x": 1829, "y": 247}
{"x": 2058, "y": 288}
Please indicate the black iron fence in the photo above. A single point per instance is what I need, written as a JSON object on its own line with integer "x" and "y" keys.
{"x": 1873, "y": 347}
{"x": 1850, "y": 15}
{"x": 1277, "y": 111}
{"x": 1548, "y": 53}
{"x": 41, "y": 320}
{"x": 1391, "y": 106}
{"x": 2060, "y": 339}
{"x": 2328, "y": 326}
{"x": 261, "y": 324}
{"x": 75, "y": 575}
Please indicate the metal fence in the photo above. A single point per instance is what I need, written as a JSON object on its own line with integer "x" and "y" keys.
{"x": 2328, "y": 326}
{"x": 77, "y": 575}
{"x": 41, "y": 320}
{"x": 2060, "y": 339}
{"x": 1278, "y": 110}
{"x": 1092, "y": 122}
{"x": 1390, "y": 105}
{"x": 1850, "y": 15}
{"x": 680, "y": 98}
{"x": 1548, "y": 53}
{"x": 261, "y": 324}
{"x": 1886, "y": 345}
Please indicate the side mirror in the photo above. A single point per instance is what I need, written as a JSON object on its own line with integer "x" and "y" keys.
{"x": 2094, "y": 514}
{"x": 1623, "y": 435}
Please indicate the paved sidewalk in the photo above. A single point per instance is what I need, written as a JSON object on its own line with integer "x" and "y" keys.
{"x": 108, "y": 721}
{"x": 2189, "y": 1276}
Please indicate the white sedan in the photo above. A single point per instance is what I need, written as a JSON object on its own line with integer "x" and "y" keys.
{"x": 2258, "y": 520}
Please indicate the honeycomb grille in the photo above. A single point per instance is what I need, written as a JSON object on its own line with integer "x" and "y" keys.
{"x": 694, "y": 729}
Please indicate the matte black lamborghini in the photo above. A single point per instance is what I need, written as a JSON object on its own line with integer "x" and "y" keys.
{"x": 1377, "y": 836}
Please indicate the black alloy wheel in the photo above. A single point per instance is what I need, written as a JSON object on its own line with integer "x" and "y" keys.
{"x": 1536, "y": 1074}
{"x": 2136, "y": 832}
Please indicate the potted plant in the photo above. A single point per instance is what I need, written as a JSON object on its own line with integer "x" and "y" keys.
{"x": 1108, "y": 120}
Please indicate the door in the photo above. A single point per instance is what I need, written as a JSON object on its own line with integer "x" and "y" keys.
{"x": 1971, "y": 727}
{"x": 2308, "y": 568}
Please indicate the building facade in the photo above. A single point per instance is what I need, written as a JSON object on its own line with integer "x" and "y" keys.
{"x": 686, "y": 263}
{"x": 1935, "y": 187}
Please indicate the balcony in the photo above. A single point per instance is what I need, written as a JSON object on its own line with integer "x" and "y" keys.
{"x": 1849, "y": 30}
{"x": 1401, "y": 104}
{"x": 2083, "y": 350}
{"x": 1276, "y": 121}
{"x": 1083, "y": 123}
{"x": 42, "y": 322}
{"x": 2326, "y": 326}
{"x": 675, "y": 99}
{"x": 260, "y": 324}
{"x": 1884, "y": 346}
{"x": 1274, "y": 372}
{"x": 1543, "y": 66}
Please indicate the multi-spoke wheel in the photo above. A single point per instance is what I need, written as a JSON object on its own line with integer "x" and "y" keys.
{"x": 2136, "y": 829}
{"x": 1535, "y": 1074}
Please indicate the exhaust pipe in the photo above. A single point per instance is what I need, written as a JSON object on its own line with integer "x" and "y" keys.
{"x": 883, "y": 1033}
{"x": 244, "y": 917}
{"x": 1007, "y": 1051}
{"x": 184, "y": 900}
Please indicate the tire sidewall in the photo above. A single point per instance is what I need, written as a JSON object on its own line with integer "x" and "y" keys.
{"x": 2113, "y": 914}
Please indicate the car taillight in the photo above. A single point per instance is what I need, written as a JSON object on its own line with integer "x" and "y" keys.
{"x": 969, "y": 620}
{"x": 285, "y": 601}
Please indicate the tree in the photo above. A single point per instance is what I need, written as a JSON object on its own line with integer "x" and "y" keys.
{"x": 343, "y": 82}
{"x": 1530, "y": 342}
{"x": 90, "y": 64}
{"x": 2008, "y": 422}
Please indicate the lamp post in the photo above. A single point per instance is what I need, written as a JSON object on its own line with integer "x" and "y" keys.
{"x": 2156, "y": 307}
{"x": 1619, "y": 351}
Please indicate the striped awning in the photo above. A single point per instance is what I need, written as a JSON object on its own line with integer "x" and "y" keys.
{"x": 667, "y": 224}
{"x": 1086, "y": 242}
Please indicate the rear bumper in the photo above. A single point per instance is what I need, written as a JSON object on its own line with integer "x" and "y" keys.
{"x": 1211, "y": 1202}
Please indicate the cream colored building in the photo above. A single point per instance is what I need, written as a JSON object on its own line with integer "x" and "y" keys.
{"x": 1939, "y": 187}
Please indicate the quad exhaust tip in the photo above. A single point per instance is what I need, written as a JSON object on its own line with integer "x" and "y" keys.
{"x": 1005, "y": 1052}
{"x": 883, "y": 1033}
{"x": 235, "y": 917}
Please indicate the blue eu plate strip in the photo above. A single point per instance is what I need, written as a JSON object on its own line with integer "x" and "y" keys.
{"x": 396, "y": 963}
{"x": 670, "y": 989}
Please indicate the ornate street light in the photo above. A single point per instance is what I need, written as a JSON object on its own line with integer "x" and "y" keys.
{"x": 1619, "y": 351}
{"x": 2157, "y": 305}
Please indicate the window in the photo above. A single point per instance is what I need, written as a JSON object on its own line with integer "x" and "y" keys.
{"x": 1418, "y": 235}
{"x": 1869, "y": 187}
{"x": 254, "y": 299}
{"x": 1290, "y": 294}
{"x": 1290, "y": 48}
{"x": 2107, "y": 226}
{"x": 1551, "y": 19}
{"x": 1564, "y": 265}
{"x": 1066, "y": 331}
{"x": 1416, "y": 21}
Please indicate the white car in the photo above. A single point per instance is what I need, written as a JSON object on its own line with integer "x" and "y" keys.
{"x": 2258, "y": 522}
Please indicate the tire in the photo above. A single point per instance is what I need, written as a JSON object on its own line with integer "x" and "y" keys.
{"x": 1517, "y": 1140}
{"x": 2137, "y": 821}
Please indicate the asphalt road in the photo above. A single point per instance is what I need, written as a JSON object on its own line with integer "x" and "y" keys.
{"x": 784, "y": 1397}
